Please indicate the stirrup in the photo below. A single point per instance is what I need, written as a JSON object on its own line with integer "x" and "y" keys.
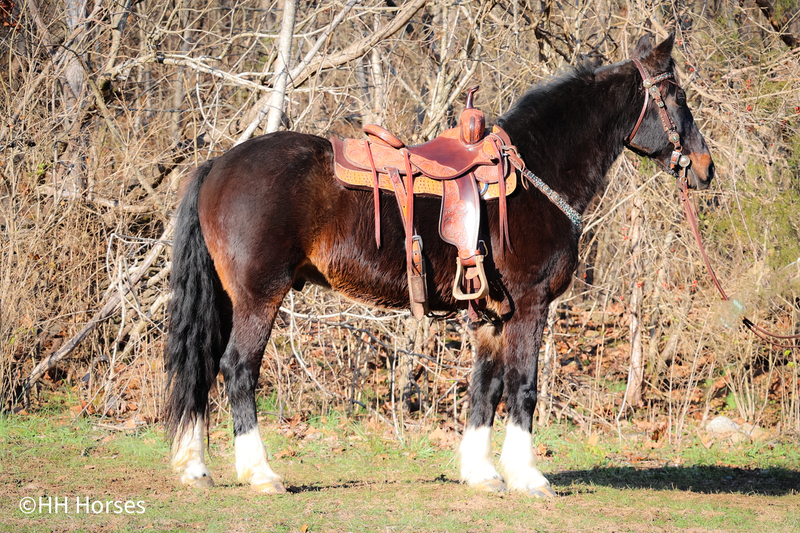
{"x": 483, "y": 292}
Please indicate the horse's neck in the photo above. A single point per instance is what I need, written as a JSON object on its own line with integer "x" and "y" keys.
{"x": 579, "y": 153}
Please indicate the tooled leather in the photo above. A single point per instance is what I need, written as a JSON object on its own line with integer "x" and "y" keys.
{"x": 382, "y": 134}
{"x": 356, "y": 177}
{"x": 445, "y": 157}
{"x": 459, "y": 221}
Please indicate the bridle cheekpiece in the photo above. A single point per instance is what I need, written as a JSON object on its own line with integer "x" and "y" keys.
{"x": 652, "y": 89}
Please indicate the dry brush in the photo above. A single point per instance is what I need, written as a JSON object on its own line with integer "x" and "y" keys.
{"x": 107, "y": 106}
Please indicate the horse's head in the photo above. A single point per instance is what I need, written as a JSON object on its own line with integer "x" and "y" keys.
{"x": 666, "y": 131}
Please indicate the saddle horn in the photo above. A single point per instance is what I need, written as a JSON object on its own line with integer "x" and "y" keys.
{"x": 470, "y": 93}
{"x": 472, "y": 121}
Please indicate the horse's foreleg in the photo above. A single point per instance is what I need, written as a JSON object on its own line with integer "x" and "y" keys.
{"x": 517, "y": 463}
{"x": 486, "y": 388}
{"x": 240, "y": 367}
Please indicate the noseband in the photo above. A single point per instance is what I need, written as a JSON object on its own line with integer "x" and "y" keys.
{"x": 652, "y": 89}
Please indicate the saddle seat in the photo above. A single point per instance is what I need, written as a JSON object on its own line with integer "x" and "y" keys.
{"x": 451, "y": 166}
{"x": 444, "y": 158}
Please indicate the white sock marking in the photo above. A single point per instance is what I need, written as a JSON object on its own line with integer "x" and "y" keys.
{"x": 476, "y": 456}
{"x": 251, "y": 460}
{"x": 188, "y": 457}
{"x": 517, "y": 462}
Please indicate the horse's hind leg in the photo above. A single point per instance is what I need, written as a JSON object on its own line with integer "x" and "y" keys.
{"x": 240, "y": 366}
{"x": 486, "y": 388}
{"x": 188, "y": 446}
{"x": 522, "y": 337}
{"x": 188, "y": 458}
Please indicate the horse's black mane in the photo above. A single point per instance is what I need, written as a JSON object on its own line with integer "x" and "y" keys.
{"x": 549, "y": 89}
{"x": 569, "y": 129}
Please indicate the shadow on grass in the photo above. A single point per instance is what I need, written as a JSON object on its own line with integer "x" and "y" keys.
{"x": 700, "y": 479}
{"x": 297, "y": 489}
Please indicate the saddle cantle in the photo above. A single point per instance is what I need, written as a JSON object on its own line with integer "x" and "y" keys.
{"x": 462, "y": 165}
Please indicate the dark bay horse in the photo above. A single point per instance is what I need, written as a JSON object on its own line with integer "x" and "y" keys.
{"x": 268, "y": 216}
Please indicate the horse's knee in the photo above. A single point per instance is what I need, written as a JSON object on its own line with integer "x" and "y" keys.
{"x": 486, "y": 382}
{"x": 240, "y": 366}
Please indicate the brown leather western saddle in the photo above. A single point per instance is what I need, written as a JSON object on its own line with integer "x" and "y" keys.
{"x": 462, "y": 165}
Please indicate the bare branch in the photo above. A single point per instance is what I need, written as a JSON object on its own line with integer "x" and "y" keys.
{"x": 361, "y": 47}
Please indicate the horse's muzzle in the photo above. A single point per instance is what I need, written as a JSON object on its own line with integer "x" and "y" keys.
{"x": 701, "y": 171}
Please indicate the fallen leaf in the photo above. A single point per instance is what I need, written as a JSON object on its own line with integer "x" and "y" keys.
{"x": 286, "y": 452}
{"x": 542, "y": 451}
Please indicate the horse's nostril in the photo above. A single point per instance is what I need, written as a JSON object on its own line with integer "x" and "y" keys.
{"x": 710, "y": 172}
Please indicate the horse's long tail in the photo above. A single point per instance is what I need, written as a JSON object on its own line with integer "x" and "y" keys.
{"x": 194, "y": 342}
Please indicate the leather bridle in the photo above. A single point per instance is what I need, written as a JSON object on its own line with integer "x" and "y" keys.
{"x": 652, "y": 86}
{"x": 652, "y": 89}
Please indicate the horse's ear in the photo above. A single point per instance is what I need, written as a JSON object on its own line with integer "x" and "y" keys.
{"x": 658, "y": 58}
{"x": 643, "y": 46}
{"x": 663, "y": 52}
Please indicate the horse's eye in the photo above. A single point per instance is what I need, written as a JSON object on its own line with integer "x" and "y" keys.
{"x": 680, "y": 96}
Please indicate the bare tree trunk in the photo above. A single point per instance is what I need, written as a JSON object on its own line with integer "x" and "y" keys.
{"x": 74, "y": 76}
{"x": 282, "y": 66}
{"x": 378, "y": 93}
{"x": 73, "y": 86}
{"x": 179, "y": 94}
{"x": 263, "y": 104}
{"x": 273, "y": 108}
{"x": 633, "y": 392}
{"x": 360, "y": 47}
{"x": 366, "y": 95}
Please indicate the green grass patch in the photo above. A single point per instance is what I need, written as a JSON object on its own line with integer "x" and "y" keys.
{"x": 356, "y": 475}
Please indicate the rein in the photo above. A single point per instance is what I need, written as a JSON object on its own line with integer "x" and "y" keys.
{"x": 691, "y": 217}
{"x": 652, "y": 87}
{"x": 510, "y": 151}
